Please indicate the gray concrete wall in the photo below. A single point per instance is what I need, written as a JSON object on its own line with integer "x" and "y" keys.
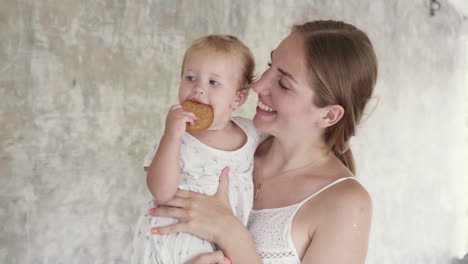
{"x": 85, "y": 86}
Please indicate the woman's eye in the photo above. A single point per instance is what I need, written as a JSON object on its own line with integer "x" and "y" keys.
{"x": 190, "y": 78}
{"x": 269, "y": 64}
{"x": 213, "y": 82}
{"x": 282, "y": 86}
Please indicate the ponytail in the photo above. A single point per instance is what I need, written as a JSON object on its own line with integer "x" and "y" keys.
{"x": 347, "y": 159}
{"x": 343, "y": 71}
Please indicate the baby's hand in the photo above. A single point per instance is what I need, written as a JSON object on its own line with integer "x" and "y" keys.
{"x": 176, "y": 121}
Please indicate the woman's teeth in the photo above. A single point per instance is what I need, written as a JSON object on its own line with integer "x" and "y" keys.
{"x": 265, "y": 107}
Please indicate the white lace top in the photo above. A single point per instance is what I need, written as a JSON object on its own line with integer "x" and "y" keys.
{"x": 271, "y": 230}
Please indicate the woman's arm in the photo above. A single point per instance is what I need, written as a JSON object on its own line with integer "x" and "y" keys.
{"x": 164, "y": 172}
{"x": 210, "y": 218}
{"x": 342, "y": 237}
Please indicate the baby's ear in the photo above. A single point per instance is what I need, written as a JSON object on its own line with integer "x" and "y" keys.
{"x": 240, "y": 98}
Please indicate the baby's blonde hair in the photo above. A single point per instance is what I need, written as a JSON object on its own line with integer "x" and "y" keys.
{"x": 229, "y": 45}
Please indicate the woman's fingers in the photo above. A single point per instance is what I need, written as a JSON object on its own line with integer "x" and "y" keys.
{"x": 227, "y": 260}
{"x": 168, "y": 211}
{"x": 223, "y": 188}
{"x": 185, "y": 194}
{"x": 182, "y": 199}
{"x": 201, "y": 215}
{"x": 215, "y": 257}
{"x": 176, "y": 201}
{"x": 180, "y": 227}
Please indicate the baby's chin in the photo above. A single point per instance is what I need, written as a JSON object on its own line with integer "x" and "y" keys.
{"x": 219, "y": 125}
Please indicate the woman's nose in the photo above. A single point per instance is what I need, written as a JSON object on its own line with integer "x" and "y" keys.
{"x": 261, "y": 86}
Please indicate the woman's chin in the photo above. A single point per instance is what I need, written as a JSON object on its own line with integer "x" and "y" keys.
{"x": 262, "y": 123}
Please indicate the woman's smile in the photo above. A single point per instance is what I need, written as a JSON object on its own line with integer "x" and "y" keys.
{"x": 265, "y": 109}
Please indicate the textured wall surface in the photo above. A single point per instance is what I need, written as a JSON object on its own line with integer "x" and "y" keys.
{"x": 85, "y": 86}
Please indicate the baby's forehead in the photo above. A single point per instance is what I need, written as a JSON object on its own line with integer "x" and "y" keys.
{"x": 218, "y": 64}
{"x": 200, "y": 55}
{"x": 213, "y": 51}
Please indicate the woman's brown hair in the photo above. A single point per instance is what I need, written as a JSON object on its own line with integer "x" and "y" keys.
{"x": 343, "y": 71}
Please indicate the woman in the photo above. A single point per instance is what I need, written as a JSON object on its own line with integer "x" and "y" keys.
{"x": 308, "y": 207}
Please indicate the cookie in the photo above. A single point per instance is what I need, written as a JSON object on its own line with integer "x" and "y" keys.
{"x": 204, "y": 114}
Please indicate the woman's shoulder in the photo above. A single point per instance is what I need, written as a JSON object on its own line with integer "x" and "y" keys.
{"x": 338, "y": 213}
{"x": 351, "y": 192}
{"x": 346, "y": 200}
{"x": 339, "y": 196}
{"x": 346, "y": 192}
{"x": 341, "y": 216}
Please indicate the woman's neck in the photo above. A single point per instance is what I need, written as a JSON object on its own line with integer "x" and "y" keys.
{"x": 291, "y": 155}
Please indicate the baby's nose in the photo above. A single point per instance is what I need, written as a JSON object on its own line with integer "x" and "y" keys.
{"x": 199, "y": 89}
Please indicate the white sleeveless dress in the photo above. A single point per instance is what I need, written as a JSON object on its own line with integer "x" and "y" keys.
{"x": 271, "y": 230}
{"x": 200, "y": 167}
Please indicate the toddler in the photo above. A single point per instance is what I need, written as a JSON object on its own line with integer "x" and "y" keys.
{"x": 217, "y": 71}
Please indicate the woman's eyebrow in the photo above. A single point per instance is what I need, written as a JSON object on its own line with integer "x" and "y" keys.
{"x": 285, "y": 73}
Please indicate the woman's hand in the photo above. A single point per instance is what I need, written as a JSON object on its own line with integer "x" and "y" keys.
{"x": 215, "y": 257}
{"x": 210, "y": 218}
{"x": 201, "y": 215}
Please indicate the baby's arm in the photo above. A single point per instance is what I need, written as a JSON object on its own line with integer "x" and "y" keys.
{"x": 163, "y": 173}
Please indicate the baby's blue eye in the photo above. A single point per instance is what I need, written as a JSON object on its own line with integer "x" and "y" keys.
{"x": 190, "y": 78}
{"x": 213, "y": 82}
